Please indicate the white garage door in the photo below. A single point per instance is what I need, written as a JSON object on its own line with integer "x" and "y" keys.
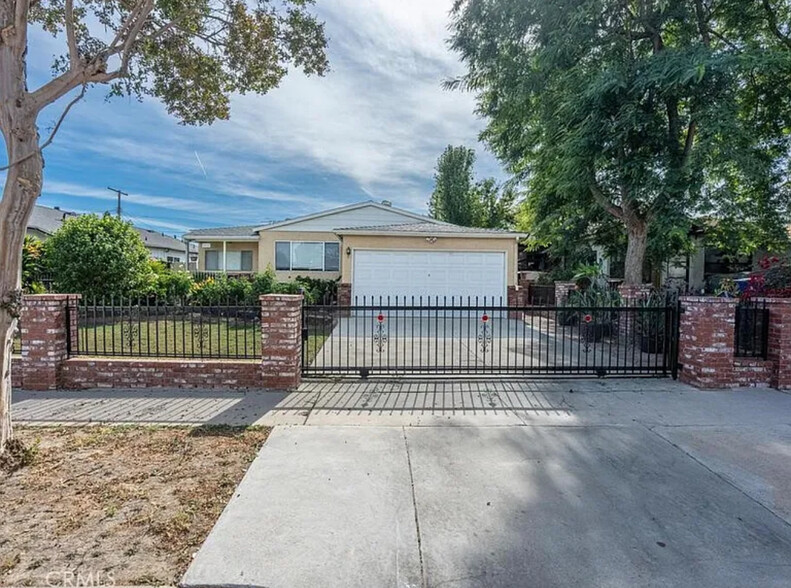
{"x": 458, "y": 274}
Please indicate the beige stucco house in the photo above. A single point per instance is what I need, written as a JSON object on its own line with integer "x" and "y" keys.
{"x": 375, "y": 249}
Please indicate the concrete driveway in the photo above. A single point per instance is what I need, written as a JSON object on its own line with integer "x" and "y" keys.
{"x": 456, "y": 343}
{"x": 593, "y": 483}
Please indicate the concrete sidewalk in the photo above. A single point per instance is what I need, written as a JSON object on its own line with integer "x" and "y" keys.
{"x": 615, "y": 482}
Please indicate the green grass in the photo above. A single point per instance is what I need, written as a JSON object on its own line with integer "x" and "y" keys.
{"x": 177, "y": 339}
{"x": 172, "y": 339}
{"x": 315, "y": 343}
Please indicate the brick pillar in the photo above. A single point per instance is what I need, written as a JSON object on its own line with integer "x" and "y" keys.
{"x": 517, "y": 296}
{"x": 344, "y": 294}
{"x": 631, "y": 296}
{"x": 281, "y": 340}
{"x": 780, "y": 342}
{"x": 706, "y": 341}
{"x": 45, "y": 334}
{"x": 562, "y": 290}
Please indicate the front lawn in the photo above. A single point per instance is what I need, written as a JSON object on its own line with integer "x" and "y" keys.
{"x": 123, "y": 505}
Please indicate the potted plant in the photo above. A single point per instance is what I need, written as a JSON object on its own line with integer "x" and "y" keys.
{"x": 651, "y": 324}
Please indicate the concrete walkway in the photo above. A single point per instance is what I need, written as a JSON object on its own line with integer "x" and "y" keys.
{"x": 534, "y": 483}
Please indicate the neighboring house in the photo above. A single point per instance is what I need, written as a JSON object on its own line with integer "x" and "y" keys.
{"x": 374, "y": 249}
{"x": 44, "y": 221}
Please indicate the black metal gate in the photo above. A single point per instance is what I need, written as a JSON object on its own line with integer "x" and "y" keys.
{"x": 453, "y": 337}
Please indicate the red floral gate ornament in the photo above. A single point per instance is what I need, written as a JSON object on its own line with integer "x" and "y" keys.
{"x": 380, "y": 334}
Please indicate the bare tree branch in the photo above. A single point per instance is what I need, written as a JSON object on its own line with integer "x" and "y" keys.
{"x": 54, "y": 132}
{"x": 71, "y": 36}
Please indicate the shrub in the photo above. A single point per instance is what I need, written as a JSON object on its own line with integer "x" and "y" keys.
{"x": 98, "y": 256}
{"x": 33, "y": 264}
{"x": 772, "y": 280}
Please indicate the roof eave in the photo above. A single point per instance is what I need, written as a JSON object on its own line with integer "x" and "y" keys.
{"x": 438, "y": 235}
{"x": 347, "y": 208}
{"x": 220, "y": 238}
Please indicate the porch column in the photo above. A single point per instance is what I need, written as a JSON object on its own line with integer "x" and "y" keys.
{"x": 224, "y": 253}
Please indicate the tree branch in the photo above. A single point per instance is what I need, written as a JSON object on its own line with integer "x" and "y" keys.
{"x": 689, "y": 142}
{"x": 71, "y": 36}
{"x": 772, "y": 19}
{"x": 21, "y": 9}
{"x": 703, "y": 27}
{"x": 54, "y": 132}
{"x": 602, "y": 200}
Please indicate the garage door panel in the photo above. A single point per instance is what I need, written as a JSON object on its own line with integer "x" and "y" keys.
{"x": 430, "y": 275}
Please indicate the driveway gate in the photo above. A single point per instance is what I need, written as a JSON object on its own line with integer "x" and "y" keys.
{"x": 470, "y": 337}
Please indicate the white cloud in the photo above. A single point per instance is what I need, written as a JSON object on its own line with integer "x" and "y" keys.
{"x": 377, "y": 122}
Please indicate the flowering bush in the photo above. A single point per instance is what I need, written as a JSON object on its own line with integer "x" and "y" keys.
{"x": 772, "y": 280}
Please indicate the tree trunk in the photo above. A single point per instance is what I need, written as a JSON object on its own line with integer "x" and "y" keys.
{"x": 22, "y": 187}
{"x": 637, "y": 241}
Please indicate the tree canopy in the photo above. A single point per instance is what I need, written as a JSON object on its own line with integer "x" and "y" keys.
{"x": 655, "y": 112}
{"x": 457, "y": 198}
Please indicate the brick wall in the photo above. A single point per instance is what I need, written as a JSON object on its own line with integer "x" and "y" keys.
{"x": 707, "y": 339}
{"x": 48, "y": 322}
{"x": 706, "y": 342}
{"x": 780, "y": 341}
{"x": 562, "y": 290}
{"x": 344, "y": 294}
{"x": 94, "y": 372}
{"x": 44, "y": 363}
{"x": 281, "y": 339}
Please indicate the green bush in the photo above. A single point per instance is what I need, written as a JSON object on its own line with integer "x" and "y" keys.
{"x": 99, "y": 256}
{"x": 33, "y": 264}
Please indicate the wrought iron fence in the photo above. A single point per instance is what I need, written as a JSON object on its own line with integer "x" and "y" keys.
{"x": 471, "y": 336}
{"x": 752, "y": 329}
{"x": 148, "y": 328}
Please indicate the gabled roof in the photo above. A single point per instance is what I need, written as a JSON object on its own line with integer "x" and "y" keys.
{"x": 48, "y": 220}
{"x": 238, "y": 232}
{"x": 160, "y": 240}
{"x": 429, "y": 229}
{"x": 367, "y": 203}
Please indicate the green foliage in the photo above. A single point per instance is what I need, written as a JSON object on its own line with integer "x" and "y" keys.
{"x": 193, "y": 55}
{"x": 97, "y": 256}
{"x": 590, "y": 276}
{"x": 459, "y": 200}
{"x": 33, "y": 265}
{"x": 451, "y": 200}
{"x": 643, "y": 117}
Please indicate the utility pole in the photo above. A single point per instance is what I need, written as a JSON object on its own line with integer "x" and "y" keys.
{"x": 118, "y": 207}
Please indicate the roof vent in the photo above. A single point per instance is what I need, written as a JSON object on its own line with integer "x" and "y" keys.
{"x": 387, "y": 203}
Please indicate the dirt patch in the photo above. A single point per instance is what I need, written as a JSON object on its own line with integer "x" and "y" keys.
{"x": 123, "y": 505}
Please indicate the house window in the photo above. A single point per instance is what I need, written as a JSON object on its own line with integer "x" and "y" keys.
{"x": 212, "y": 261}
{"x": 307, "y": 256}
{"x": 235, "y": 261}
{"x": 239, "y": 261}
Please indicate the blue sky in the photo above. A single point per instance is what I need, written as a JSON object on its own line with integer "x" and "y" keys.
{"x": 371, "y": 129}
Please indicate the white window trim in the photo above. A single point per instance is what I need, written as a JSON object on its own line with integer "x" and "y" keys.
{"x": 291, "y": 256}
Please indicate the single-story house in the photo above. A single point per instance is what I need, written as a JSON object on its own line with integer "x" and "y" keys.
{"x": 374, "y": 249}
{"x": 44, "y": 221}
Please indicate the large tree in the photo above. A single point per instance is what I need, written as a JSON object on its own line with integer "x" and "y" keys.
{"x": 654, "y": 111}
{"x": 460, "y": 200}
{"x": 190, "y": 54}
{"x": 453, "y": 181}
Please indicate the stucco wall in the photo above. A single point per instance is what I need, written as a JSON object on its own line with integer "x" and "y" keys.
{"x": 266, "y": 252}
{"x": 387, "y": 242}
{"x": 230, "y": 246}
